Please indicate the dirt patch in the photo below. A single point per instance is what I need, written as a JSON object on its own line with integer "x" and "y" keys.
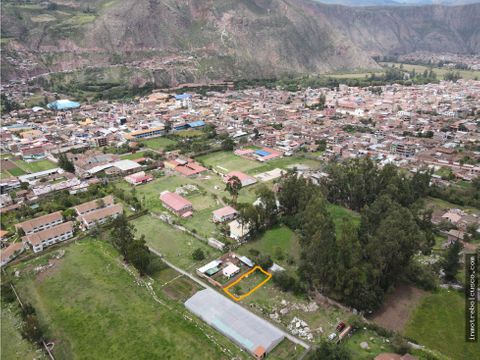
{"x": 7, "y": 165}
{"x": 48, "y": 270}
{"x": 398, "y": 306}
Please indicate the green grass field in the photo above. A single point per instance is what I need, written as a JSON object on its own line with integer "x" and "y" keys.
{"x": 226, "y": 161}
{"x": 465, "y": 74}
{"x": 340, "y": 215}
{"x": 159, "y": 143}
{"x": 16, "y": 171}
{"x": 438, "y": 323}
{"x": 36, "y": 166}
{"x": 279, "y": 242}
{"x": 376, "y": 344}
{"x": 95, "y": 309}
{"x": 174, "y": 244}
{"x": 134, "y": 156}
{"x": 14, "y": 346}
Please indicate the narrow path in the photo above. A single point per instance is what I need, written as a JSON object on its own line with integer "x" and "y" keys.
{"x": 206, "y": 286}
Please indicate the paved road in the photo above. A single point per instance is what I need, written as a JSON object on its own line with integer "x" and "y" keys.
{"x": 207, "y": 286}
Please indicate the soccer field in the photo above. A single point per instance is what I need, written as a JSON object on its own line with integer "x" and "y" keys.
{"x": 36, "y": 166}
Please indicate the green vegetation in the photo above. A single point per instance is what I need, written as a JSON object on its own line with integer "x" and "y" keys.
{"x": 376, "y": 344}
{"x": 133, "y": 156}
{"x": 92, "y": 304}
{"x": 441, "y": 72}
{"x": 175, "y": 245}
{"x": 14, "y": 346}
{"x": 158, "y": 143}
{"x": 441, "y": 316}
{"x": 35, "y": 166}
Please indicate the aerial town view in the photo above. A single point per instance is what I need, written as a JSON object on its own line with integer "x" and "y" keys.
{"x": 240, "y": 179}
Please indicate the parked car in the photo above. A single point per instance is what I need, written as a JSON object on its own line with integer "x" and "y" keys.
{"x": 340, "y": 326}
{"x": 332, "y": 336}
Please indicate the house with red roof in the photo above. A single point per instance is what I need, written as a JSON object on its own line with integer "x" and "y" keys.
{"x": 244, "y": 178}
{"x": 224, "y": 214}
{"x": 138, "y": 178}
{"x": 176, "y": 204}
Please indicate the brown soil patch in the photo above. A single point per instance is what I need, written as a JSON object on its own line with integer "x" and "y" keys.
{"x": 398, "y": 306}
{"x": 7, "y": 165}
{"x": 52, "y": 269}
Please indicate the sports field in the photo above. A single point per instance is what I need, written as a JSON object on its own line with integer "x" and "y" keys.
{"x": 226, "y": 161}
{"x": 441, "y": 316}
{"x": 132, "y": 156}
{"x": 159, "y": 143}
{"x": 95, "y": 308}
{"x": 35, "y": 166}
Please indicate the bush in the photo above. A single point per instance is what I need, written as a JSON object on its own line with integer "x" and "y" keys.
{"x": 198, "y": 254}
{"x": 7, "y": 293}
{"x": 265, "y": 261}
{"x": 288, "y": 283}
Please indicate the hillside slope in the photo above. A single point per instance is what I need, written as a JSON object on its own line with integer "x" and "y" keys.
{"x": 166, "y": 42}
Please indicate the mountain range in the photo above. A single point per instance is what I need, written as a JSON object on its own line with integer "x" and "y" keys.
{"x": 173, "y": 41}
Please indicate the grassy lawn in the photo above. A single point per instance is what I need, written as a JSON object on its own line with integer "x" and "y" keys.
{"x": 376, "y": 344}
{"x": 96, "y": 309}
{"x": 36, "y": 166}
{"x": 340, "y": 214}
{"x": 159, "y": 143}
{"x": 439, "y": 204}
{"x": 279, "y": 242}
{"x": 14, "y": 346}
{"x": 174, "y": 244}
{"x": 438, "y": 323}
{"x": 134, "y": 156}
{"x": 286, "y": 350}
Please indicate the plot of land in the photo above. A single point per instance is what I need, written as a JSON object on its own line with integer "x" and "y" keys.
{"x": 92, "y": 306}
{"x": 465, "y": 74}
{"x": 159, "y": 143}
{"x": 35, "y": 166}
{"x": 133, "y": 156}
{"x": 280, "y": 243}
{"x": 376, "y": 345}
{"x": 340, "y": 215}
{"x": 14, "y": 346}
{"x": 174, "y": 244}
{"x": 397, "y": 308}
{"x": 439, "y": 323}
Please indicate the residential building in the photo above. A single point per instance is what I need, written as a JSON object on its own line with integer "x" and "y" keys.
{"x": 40, "y": 223}
{"x": 238, "y": 230}
{"x": 42, "y": 239}
{"x": 224, "y": 214}
{"x": 100, "y": 216}
{"x": 10, "y": 253}
{"x": 244, "y": 178}
{"x": 176, "y": 204}
{"x": 94, "y": 205}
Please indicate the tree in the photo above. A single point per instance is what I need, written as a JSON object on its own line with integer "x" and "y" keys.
{"x": 122, "y": 234}
{"x": 268, "y": 206}
{"x": 330, "y": 351}
{"x": 233, "y": 187}
{"x": 198, "y": 254}
{"x": 228, "y": 144}
{"x": 66, "y": 164}
{"x": 451, "y": 260}
{"x": 69, "y": 214}
{"x": 138, "y": 254}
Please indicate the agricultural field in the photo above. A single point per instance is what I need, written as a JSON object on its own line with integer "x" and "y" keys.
{"x": 437, "y": 204}
{"x": 36, "y": 166}
{"x": 441, "y": 316}
{"x": 158, "y": 143}
{"x": 175, "y": 245}
{"x": 90, "y": 302}
{"x": 465, "y": 74}
{"x": 14, "y": 346}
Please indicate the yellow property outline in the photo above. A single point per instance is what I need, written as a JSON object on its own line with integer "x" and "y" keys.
{"x": 269, "y": 276}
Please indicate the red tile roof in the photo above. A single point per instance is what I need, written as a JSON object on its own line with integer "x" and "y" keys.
{"x": 174, "y": 201}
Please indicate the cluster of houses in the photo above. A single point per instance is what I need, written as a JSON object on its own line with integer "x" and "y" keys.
{"x": 47, "y": 230}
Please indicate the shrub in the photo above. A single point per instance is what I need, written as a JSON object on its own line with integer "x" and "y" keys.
{"x": 198, "y": 254}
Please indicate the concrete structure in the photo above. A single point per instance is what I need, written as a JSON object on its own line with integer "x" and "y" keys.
{"x": 100, "y": 216}
{"x": 248, "y": 331}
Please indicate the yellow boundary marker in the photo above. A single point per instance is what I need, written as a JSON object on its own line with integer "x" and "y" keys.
{"x": 256, "y": 267}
